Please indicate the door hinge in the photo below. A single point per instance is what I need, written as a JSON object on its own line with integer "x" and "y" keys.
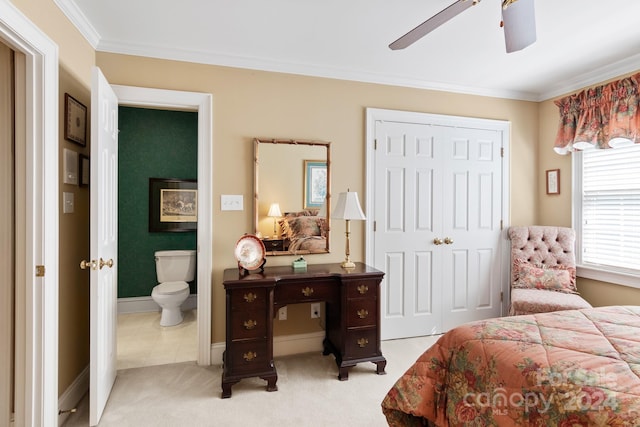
{"x": 501, "y": 296}
{"x": 39, "y": 270}
{"x": 501, "y": 151}
{"x": 374, "y": 226}
{"x": 501, "y": 225}
{"x": 375, "y": 144}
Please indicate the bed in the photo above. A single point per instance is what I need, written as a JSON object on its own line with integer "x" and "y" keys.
{"x": 305, "y": 231}
{"x": 565, "y": 368}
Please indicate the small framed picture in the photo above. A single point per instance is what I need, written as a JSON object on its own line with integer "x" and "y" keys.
{"x": 553, "y": 181}
{"x": 75, "y": 120}
{"x": 84, "y": 170}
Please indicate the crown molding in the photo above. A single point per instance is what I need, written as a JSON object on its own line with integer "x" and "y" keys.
{"x": 594, "y": 77}
{"x": 79, "y": 20}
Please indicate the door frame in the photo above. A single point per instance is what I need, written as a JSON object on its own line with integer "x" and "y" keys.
{"x": 202, "y": 103}
{"x": 37, "y": 303}
{"x": 377, "y": 114}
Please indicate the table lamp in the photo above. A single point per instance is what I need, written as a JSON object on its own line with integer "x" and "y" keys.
{"x": 274, "y": 211}
{"x": 348, "y": 208}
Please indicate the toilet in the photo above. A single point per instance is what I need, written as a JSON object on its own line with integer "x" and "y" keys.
{"x": 173, "y": 269}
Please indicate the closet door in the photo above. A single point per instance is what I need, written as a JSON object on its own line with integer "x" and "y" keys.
{"x": 437, "y": 235}
{"x": 408, "y": 187}
{"x": 471, "y": 204}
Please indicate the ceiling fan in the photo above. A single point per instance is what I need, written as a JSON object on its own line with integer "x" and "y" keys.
{"x": 518, "y": 20}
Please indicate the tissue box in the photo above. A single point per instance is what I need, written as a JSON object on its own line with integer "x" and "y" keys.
{"x": 300, "y": 264}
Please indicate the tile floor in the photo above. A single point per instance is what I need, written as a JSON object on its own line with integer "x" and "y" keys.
{"x": 143, "y": 342}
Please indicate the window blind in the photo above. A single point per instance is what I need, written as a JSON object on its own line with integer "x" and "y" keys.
{"x": 610, "y": 235}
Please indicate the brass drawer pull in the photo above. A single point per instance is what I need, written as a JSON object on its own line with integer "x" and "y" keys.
{"x": 362, "y": 313}
{"x": 362, "y": 342}
{"x": 307, "y": 292}
{"x": 250, "y": 324}
{"x": 363, "y": 289}
{"x": 250, "y": 297}
{"x": 249, "y": 356}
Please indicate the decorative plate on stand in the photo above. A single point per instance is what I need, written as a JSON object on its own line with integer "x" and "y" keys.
{"x": 250, "y": 253}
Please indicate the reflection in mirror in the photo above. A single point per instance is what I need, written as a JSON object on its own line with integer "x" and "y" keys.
{"x": 292, "y": 184}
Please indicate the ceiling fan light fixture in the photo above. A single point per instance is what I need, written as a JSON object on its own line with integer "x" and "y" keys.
{"x": 519, "y": 20}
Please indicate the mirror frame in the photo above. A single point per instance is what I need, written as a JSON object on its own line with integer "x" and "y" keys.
{"x": 256, "y": 198}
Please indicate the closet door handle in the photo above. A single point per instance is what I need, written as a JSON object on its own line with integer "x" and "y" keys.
{"x": 448, "y": 240}
{"x": 437, "y": 241}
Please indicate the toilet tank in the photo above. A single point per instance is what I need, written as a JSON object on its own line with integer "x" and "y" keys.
{"x": 175, "y": 266}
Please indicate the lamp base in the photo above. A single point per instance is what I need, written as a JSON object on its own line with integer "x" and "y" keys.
{"x": 347, "y": 264}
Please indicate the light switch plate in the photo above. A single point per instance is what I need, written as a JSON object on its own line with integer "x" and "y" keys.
{"x": 231, "y": 202}
{"x": 67, "y": 202}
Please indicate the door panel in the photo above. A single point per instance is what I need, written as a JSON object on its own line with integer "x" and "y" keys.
{"x": 406, "y": 179}
{"x": 104, "y": 244}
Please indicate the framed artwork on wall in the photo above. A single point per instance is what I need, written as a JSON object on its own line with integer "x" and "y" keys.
{"x": 75, "y": 120}
{"x": 84, "y": 171}
{"x": 315, "y": 183}
{"x": 173, "y": 204}
{"x": 553, "y": 181}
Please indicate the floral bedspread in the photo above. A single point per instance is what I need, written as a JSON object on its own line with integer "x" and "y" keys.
{"x": 565, "y": 368}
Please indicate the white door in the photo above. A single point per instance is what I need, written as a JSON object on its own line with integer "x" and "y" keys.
{"x": 471, "y": 232}
{"x": 104, "y": 243}
{"x": 408, "y": 179}
{"x": 437, "y": 212}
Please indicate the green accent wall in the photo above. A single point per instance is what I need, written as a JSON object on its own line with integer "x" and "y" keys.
{"x": 151, "y": 144}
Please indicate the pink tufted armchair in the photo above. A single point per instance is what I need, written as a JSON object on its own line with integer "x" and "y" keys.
{"x": 543, "y": 270}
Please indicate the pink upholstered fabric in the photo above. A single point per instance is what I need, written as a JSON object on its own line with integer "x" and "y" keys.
{"x": 548, "y": 246}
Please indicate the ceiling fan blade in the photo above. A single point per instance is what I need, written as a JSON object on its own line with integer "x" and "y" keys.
{"x": 432, "y": 23}
{"x": 519, "y": 20}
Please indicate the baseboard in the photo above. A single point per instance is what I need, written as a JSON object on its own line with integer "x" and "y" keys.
{"x": 283, "y": 345}
{"x": 146, "y": 304}
{"x": 72, "y": 395}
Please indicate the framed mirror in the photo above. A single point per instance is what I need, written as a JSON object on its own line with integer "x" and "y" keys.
{"x": 292, "y": 185}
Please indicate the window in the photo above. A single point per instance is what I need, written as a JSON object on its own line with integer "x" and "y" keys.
{"x": 607, "y": 214}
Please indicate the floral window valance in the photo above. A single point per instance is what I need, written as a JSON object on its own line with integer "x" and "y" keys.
{"x": 606, "y": 116}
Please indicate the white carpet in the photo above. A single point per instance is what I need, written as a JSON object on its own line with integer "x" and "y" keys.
{"x": 309, "y": 394}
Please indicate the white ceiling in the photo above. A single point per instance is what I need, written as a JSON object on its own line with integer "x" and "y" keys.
{"x": 580, "y": 42}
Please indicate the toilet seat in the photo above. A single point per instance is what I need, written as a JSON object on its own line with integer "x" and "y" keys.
{"x": 171, "y": 288}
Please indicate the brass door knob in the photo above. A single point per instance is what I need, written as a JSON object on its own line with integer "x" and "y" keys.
{"x": 437, "y": 241}
{"x": 107, "y": 263}
{"x": 448, "y": 240}
{"x": 92, "y": 265}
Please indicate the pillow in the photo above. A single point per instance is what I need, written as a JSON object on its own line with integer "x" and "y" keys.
{"x": 303, "y": 226}
{"x": 557, "y": 278}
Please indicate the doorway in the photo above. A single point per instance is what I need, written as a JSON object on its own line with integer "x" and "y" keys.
{"x": 202, "y": 104}
{"x": 36, "y": 234}
{"x": 153, "y": 143}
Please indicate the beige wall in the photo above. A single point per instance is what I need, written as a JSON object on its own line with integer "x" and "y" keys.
{"x": 248, "y": 104}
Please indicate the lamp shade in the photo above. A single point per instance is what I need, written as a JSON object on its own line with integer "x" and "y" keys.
{"x": 274, "y": 210}
{"x": 348, "y": 207}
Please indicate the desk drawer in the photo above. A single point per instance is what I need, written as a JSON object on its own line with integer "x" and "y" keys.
{"x": 361, "y": 343}
{"x": 248, "y": 324}
{"x": 248, "y": 299}
{"x": 362, "y": 312}
{"x": 249, "y": 357}
{"x": 302, "y": 291}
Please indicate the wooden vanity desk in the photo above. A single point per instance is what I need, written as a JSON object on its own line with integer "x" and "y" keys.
{"x": 352, "y": 312}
